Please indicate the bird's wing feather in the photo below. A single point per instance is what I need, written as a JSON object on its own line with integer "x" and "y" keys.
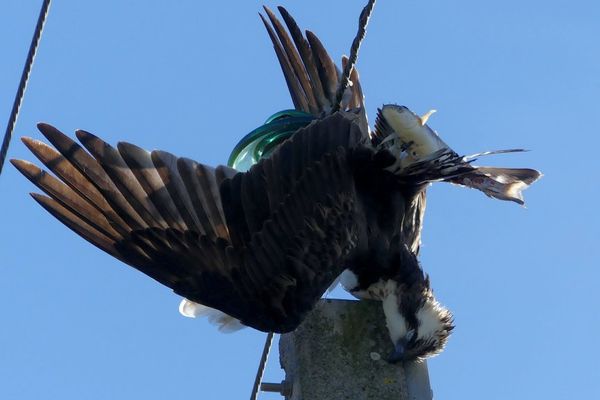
{"x": 311, "y": 75}
{"x": 299, "y": 97}
{"x": 290, "y": 57}
{"x": 357, "y": 99}
{"x": 261, "y": 246}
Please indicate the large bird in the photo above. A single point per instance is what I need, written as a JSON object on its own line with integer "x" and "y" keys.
{"x": 323, "y": 195}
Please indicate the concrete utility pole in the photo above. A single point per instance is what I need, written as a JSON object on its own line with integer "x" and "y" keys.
{"x": 338, "y": 353}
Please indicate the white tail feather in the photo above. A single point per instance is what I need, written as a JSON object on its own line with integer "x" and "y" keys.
{"x": 225, "y": 323}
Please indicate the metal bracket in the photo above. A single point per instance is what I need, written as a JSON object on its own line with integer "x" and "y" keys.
{"x": 284, "y": 388}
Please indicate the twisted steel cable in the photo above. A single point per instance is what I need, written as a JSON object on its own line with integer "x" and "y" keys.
{"x": 363, "y": 20}
{"x": 14, "y": 113}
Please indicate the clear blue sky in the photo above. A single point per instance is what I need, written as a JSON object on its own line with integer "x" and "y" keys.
{"x": 193, "y": 77}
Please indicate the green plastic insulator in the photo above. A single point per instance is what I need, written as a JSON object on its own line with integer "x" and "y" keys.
{"x": 261, "y": 142}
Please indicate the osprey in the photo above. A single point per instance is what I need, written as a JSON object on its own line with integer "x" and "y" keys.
{"x": 323, "y": 196}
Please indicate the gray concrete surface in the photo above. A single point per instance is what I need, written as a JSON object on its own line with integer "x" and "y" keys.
{"x": 338, "y": 354}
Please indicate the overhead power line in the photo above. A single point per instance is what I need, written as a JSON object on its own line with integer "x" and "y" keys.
{"x": 14, "y": 113}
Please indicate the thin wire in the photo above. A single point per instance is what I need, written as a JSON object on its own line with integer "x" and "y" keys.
{"x": 261, "y": 366}
{"x": 35, "y": 41}
{"x": 360, "y": 35}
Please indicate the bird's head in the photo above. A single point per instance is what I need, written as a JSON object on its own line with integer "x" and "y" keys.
{"x": 418, "y": 324}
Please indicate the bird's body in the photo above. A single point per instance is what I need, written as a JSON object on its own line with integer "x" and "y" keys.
{"x": 262, "y": 246}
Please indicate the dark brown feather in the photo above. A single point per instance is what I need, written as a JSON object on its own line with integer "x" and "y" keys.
{"x": 311, "y": 75}
{"x": 328, "y": 73}
{"x": 307, "y": 58}
{"x": 94, "y": 173}
{"x": 141, "y": 165}
{"x": 68, "y": 198}
{"x": 188, "y": 173}
{"x": 357, "y": 99}
{"x": 298, "y": 96}
{"x": 78, "y": 225}
{"x": 295, "y": 61}
{"x": 75, "y": 180}
{"x": 166, "y": 166}
{"x": 122, "y": 177}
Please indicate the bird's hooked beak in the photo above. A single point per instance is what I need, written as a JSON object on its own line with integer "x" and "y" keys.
{"x": 399, "y": 351}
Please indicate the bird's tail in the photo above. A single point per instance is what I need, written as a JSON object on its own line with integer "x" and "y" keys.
{"x": 225, "y": 323}
{"x": 499, "y": 183}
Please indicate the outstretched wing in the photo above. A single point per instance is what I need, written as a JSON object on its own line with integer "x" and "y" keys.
{"x": 261, "y": 246}
{"x": 311, "y": 75}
